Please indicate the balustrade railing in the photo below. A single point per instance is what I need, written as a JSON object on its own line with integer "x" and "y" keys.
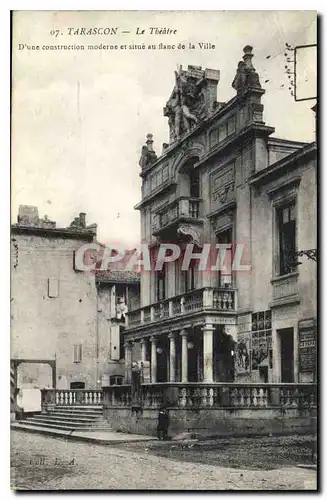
{"x": 193, "y": 301}
{"x": 134, "y": 317}
{"x": 218, "y": 299}
{"x": 71, "y": 397}
{"x": 117, "y": 395}
{"x": 217, "y": 395}
{"x": 224, "y": 300}
{"x": 183, "y": 207}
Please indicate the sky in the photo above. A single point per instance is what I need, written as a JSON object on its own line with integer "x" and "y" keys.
{"x": 80, "y": 118}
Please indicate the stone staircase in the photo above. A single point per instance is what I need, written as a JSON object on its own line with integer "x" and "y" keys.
{"x": 66, "y": 418}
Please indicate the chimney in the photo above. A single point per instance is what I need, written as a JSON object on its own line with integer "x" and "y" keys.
{"x": 82, "y": 219}
{"x": 28, "y": 215}
{"x": 149, "y": 142}
{"x": 247, "y": 58}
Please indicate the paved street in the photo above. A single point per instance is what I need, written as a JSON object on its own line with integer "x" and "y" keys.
{"x": 45, "y": 463}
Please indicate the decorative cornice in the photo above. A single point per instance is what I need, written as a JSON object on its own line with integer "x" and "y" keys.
{"x": 232, "y": 140}
{"x": 160, "y": 190}
{"x": 287, "y": 184}
{"x": 53, "y": 232}
{"x": 285, "y": 301}
{"x": 228, "y": 206}
{"x": 265, "y": 175}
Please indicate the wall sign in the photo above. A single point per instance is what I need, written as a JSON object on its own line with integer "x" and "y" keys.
{"x": 307, "y": 345}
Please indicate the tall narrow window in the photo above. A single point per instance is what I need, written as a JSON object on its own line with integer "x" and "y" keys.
{"x": 194, "y": 184}
{"x": 189, "y": 277}
{"x": 287, "y": 238}
{"x": 225, "y": 275}
{"x": 121, "y": 344}
{"x": 77, "y": 353}
{"x": 161, "y": 284}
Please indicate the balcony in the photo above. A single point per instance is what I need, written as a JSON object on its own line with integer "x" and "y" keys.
{"x": 181, "y": 210}
{"x": 204, "y": 299}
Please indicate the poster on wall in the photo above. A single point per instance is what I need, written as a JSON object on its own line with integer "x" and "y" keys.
{"x": 242, "y": 353}
{"x": 261, "y": 345}
{"x": 307, "y": 346}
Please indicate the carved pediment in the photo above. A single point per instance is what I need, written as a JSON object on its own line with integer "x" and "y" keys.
{"x": 222, "y": 185}
{"x": 222, "y": 221}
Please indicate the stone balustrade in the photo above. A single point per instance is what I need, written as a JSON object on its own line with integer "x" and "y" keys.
{"x": 203, "y": 299}
{"x": 221, "y": 395}
{"x": 184, "y": 207}
{"x": 71, "y": 397}
{"x": 117, "y": 396}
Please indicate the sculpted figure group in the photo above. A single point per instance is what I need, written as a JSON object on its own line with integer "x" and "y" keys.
{"x": 180, "y": 118}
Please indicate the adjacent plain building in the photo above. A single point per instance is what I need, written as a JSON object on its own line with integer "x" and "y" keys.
{"x": 66, "y": 325}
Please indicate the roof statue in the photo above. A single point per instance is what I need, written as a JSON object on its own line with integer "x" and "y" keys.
{"x": 246, "y": 76}
{"x": 148, "y": 155}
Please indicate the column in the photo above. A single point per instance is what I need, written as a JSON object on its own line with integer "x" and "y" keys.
{"x": 172, "y": 357}
{"x": 144, "y": 345}
{"x": 153, "y": 360}
{"x": 128, "y": 362}
{"x": 183, "y": 334}
{"x": 207, "y": 353}
{"x": 54, "y": 376}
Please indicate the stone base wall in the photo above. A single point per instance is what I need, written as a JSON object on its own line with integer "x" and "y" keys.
{"x": 214, "y": 422}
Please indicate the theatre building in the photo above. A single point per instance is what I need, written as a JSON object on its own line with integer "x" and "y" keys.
{"x": 241, "y": 337}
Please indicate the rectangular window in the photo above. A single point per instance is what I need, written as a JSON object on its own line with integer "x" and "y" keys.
{"x": 189, "y": 277}
{"x": 53, "y": 287}
{"x": 121, "y": 344}
{"x": 161, "y": 284}
{"x": 194, "y": 188}
{"x": 286, "y": 224}
{"x": 225, "y": 276}
{"x": 115, "y": 342}
{"x": 78, "y": 353}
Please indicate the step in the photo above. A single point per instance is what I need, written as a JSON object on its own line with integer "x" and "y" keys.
{"x": 64, "y": 417}
{"x": 66, "y": 422}
{"x": 46, "y": 424}
{"x": 73, "y": 412}
{"x": 80, "y": 407}
{"x": 51, "y": 425}
{"x": 54, "y": 430}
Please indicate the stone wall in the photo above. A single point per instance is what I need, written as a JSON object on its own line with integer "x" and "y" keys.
{"x": 214, "y": 422}
{"x": 48, "y": 327}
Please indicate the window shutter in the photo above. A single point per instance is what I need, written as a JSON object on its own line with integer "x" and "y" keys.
{"x": 53, "y": 287}
{"x": 77, "y": 353}
{"x": 113, "y": 302}
{"x": 115, "y": 342}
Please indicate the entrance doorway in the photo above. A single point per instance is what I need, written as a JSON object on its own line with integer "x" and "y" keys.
{"x": 287, "y": 354}
{"x": 162, "y": 360}
{"x": 223, "y": 357}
